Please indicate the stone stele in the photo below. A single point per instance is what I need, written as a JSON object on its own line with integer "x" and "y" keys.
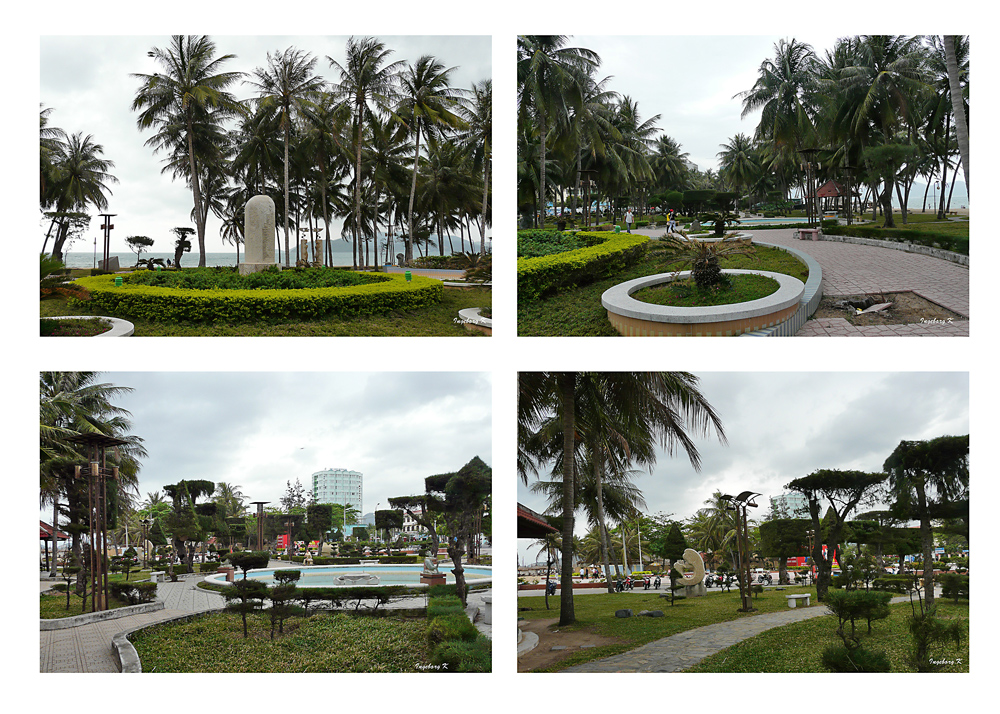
{"x": 258, "y": 235}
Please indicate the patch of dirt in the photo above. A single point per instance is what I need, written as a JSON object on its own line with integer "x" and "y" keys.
{"x": 542, "y": 655}
{"x": 907, "y": 308}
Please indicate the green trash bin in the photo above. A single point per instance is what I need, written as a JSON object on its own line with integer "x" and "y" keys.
{"x": 118, "y": 281}
{"x": 408, "y": 276}
{"x": 618, "y": 229}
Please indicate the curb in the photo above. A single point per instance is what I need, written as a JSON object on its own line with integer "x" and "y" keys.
{"x": 65, "y": 623}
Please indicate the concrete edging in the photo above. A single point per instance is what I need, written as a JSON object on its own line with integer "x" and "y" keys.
{"x": 472, "y": 320}
{"x": 119, "y": 327}
{"x": 124, "y": 651}
{"x": 65, "y": 623}
{"x": 618, "y": 301}
{"x": 810, "y": 298}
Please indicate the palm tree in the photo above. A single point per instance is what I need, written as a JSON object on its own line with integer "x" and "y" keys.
{"x": 478, "y": 113}
{"x": 81, "y": 178}
{"x": 955, "y": 87}
{"x": 365, "y": 79}
{"x": 550, "y": 81}
{"x": 191, "y": 89}
{"x": 75, "y": 403}
{"x": 738, "y": 162}
{"x": 326, "y": 129}
{"x": 428, "y": 103}
{"x": 285, "y": 84}
{"x": 634, "y": 409}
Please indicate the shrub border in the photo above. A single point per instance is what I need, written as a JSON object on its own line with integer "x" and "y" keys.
{"x": 173, "y": 304}
{"x": 612, "y": 252}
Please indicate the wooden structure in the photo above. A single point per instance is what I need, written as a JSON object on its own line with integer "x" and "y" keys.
{"x": 96, "y": 475}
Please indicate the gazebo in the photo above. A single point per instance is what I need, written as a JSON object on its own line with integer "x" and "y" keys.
{"x": 45, "y": 535}
{"x": 832, "y": 195}
{"x": 531, "y": 524}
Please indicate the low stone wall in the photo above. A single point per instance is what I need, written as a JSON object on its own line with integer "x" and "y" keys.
{"x": 64, "y": 623}
{"x": 940, "y": 253}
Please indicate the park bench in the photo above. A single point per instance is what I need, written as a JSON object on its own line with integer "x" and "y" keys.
{"x": 794, "y": 600}
{"x": 808, "y": 233}
{"x": 157, "y": 576}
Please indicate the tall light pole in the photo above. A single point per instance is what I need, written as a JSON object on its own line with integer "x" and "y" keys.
{"x": 739, "y": 504}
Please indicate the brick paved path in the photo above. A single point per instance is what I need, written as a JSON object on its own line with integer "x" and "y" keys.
{"x": 850, "y": 269}
{"x": 87, "y": 648}
{"x": 686, "y": 649}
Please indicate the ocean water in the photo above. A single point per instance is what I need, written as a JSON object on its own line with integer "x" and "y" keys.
{"x": 341, "y": 256}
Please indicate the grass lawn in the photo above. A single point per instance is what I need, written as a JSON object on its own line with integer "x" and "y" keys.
{"x": 578, "y": 310}
{"x": 685, "y": 293}
{"x": 798, "y": 647}
{"x": 321, "y": 643}
{"x": 432, "y": 321}
{"x": 53, "y": 607}
{"x": 596, "y": 613}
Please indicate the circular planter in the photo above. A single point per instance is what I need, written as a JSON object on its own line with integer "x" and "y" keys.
{"x": 632, "y": 317}
{"x": 473, "y": 321}
{"x": 119, "y": 327}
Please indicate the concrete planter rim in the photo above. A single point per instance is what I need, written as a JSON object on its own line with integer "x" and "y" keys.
{"x": 618, "y": 299}
{"x": 119, "y": 327}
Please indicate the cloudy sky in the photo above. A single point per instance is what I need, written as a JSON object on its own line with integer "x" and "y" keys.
{"x": 781, "y": 426}
{"x": 86, "y": 81}
{"x": 261, "y": 430}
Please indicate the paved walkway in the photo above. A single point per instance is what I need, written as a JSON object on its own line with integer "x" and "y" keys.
{"x": 850, "y": 269}
{"x": 685, "y": 649}
{"x": 87, "y": 648}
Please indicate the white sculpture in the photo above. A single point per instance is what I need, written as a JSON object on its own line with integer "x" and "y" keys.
{"x": 430, "y": 565}
{"x": 696, "y": 573}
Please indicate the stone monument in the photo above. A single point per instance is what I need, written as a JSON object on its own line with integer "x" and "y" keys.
{"x": 258, "y": 235}
{"x": 692, "y": 572}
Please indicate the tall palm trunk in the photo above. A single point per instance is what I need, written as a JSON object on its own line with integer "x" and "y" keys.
{"x": 486, "y": 194}
{"x": 413, "y": 192}
{"x": 541, "y": 169}
{"x": 357, "y": 186}
{"x": 603, "y": 527}
{"x": 196, "y": 190}
{"x": 567, "y": 386}
{"x": 961, "y": 123}
{"x": 287, "y": 138}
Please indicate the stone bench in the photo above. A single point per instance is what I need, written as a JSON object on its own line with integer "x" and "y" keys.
{"x": 157, "y": 576}
{"x": 808, "y": 233}
{"x": 794, "y": 600}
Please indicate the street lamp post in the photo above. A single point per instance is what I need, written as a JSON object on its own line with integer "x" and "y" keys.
{"x": 739, "y": 505}
{"x": 147, "y": 525}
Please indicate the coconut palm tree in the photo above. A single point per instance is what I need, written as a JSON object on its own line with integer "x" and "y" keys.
{"x": 76, "y": 403}
{"x": 428, "y": 103}
{"x": 550, "y": 79}
{"x": 81, "y": 179}
{"x": 191, "y": 89}
{"x": 738, "y": 163}
{"x": 283, "y": 87}
{"x": 368, "y": 80}
{"x": 477, "y": 110}
{"x": 641, "y": 408}
{"x": 951, "y": 44}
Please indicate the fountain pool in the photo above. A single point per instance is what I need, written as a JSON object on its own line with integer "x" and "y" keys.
{"x": 325, "y": 576}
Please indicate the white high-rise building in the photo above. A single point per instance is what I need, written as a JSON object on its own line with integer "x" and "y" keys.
{"x": 338, "y": 486}
{"x": 790, "y": 504}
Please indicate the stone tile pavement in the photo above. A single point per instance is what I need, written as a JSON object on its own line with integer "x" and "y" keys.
{"x": 850, "y": 269}
{"x": 685, "y": 649}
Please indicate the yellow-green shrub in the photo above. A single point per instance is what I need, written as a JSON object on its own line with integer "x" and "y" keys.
{"x": 391, "y": 292}
{"x": 611, "y": 252}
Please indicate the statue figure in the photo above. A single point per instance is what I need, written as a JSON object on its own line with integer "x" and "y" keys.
{"x": 430, "y": 565}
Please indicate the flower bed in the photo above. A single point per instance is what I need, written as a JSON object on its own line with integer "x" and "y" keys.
{"x": 387, "y": 292}
{"x": 606, "y": 254}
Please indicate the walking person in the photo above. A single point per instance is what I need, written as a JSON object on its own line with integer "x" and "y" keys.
{"x": 672, "y": 224}
{"x": 629, "y": 218}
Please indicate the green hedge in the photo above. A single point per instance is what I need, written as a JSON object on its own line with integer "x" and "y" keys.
{"x": 133, "y": 593}
{"x": 607, "y": 254}
{"x": 956, "y": 244}
{"x": 954, "y": 585}
{"x": 391, "y": 292}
